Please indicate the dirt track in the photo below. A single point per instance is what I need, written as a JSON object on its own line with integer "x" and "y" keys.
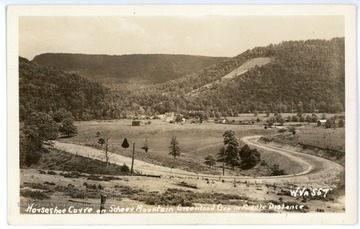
{"x": 314, "y": 169}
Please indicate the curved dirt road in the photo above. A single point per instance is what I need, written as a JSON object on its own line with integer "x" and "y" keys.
{"x": 315, "y": 169}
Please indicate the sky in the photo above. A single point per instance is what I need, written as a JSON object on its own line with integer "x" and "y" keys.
{"x": 194, "y": 35}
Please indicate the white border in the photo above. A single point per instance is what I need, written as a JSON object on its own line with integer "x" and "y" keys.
{"x": 348, "y": 217}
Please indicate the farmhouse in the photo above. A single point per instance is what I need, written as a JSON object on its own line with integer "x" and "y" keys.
{"x": 322, "y": 122}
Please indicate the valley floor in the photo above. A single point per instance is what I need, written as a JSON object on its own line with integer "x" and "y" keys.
{"x": 183, "y": 191}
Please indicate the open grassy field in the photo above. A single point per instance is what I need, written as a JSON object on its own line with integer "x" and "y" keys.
{"x": 196, "y": 141}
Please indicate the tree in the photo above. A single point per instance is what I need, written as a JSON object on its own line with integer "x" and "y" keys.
{"x": 270, "y": 122}
{"x": 281, "y": 120}
{"x": 341, "y": 123}
{"x": 174, "y": 147}
{"x": 308, "y": 118}
{"x": 38, "y": 127}
{"x": 229, "y": 154}
{"x": 217, "y": 115}
{"x": 318, "y": 123}
{"x": 61, "y": 114}
{"x": 337, "y": 107}
{"x": 249, "y": 157}
{"x": 30, "y": 144}
{"x": 101, "y": 142}
{"x": 314, "y": 118}
{"x": 295, "y": 118}
{"x": 104, "y": 141}
{"x": 45, "y": 125}
{"x": 178, "y": 118}
{"x": 125, "y": 144}
{"x": 329, "y": 123}
{"x": 68, "y": 127}
{"x": 292, "y": 130}
{"x": 210, "y": 161}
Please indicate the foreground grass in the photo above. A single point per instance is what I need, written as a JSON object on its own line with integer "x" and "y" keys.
{"x": 62, "y": 161}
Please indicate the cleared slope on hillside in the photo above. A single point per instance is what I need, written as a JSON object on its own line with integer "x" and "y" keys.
{"x": 259, "y": 61}
{"x": 248, "y": 65}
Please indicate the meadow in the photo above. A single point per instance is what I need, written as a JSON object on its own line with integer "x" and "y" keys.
{"x": 196, "y": 141}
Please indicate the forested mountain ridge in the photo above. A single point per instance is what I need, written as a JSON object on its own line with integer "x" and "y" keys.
{"x": 135, "y": 68}
{"x": 301, "y": 76}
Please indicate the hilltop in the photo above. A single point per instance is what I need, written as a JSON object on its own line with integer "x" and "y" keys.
{"x": 137, "y": 68}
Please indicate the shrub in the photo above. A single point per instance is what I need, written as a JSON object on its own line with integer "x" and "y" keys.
{"x": 276, "y": 171}
{"x": 34, "y": 194}
{"x": 125, "y": 169}
{"x": 51, "y": 173}
{"x": 100, "y": 187}
{"x": 78, "y": 195}
{"x": 184, "y": 184}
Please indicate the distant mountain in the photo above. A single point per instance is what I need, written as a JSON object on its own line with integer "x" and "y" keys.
{"x": 137, "y": 68}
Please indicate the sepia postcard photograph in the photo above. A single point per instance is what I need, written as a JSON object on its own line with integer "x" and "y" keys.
{"x": 201, "y": 114}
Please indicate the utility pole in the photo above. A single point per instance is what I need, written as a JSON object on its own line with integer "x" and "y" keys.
{"x": 132, "y": 160}
{"x": 224, "y": 166}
